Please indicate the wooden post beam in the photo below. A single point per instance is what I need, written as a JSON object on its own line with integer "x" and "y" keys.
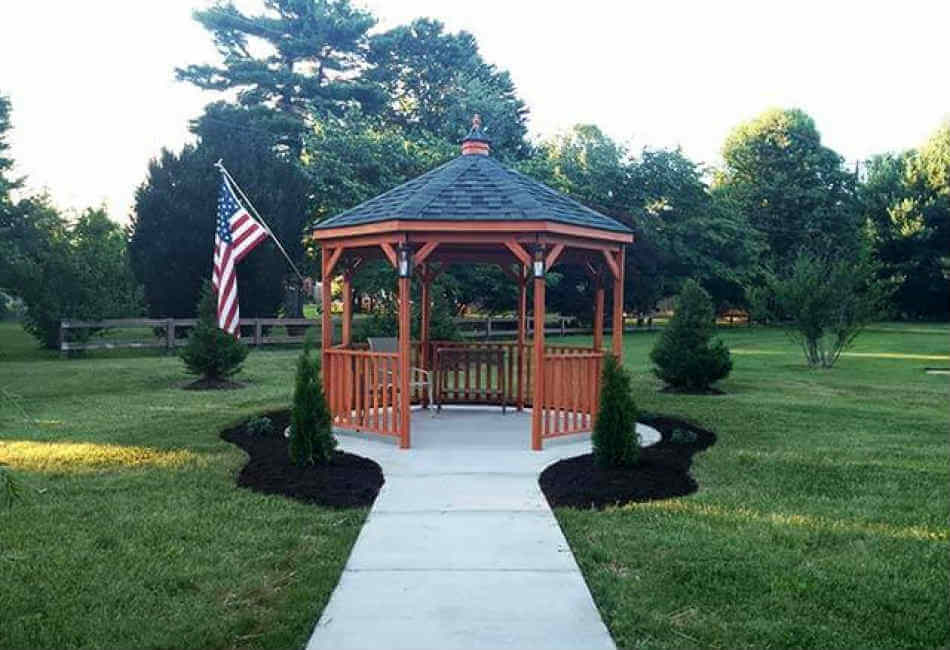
{"x": 518, "y": 251}
{"x": 326, "y": 324}
{"x": 424, "y": 252}
{"x": 405, "y": 399}
{"x": 425, "y": 325}
{"x": 347, "y": 306}
{"x": 390, "y": 253}
{"x": 617, "y": 334}
{"x": 522, "y": 330}
{"x": 598, "y": 313}
{"x": 334, "y": 258}
{"x": 537, "y": 407}
{"x": 612, "y": 264}
{"x": 553, "y": 255}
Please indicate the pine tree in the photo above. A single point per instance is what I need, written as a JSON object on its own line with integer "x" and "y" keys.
{"x": 615, "y": 438}
{"x": 318, "y": 50}
{"x": 210, "y": 352}
{"x": 311, "y": 432}
{"x": 685, "y": 355}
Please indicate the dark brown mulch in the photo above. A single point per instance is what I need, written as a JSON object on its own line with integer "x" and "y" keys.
{"x": 661, "y": 473}
{"x": 213, "y": 384}
{"x": 685, "y": 391}
{"x": 347, "y": 481}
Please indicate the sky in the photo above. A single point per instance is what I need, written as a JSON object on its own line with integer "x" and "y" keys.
{"x": 94, "y": 95}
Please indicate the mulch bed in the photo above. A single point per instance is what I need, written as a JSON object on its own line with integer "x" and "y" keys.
{"x": 661, "y": 473}
{"x": 347, "y": 481}
{"x": 684, "y": 391}
{"x": 213, "y": 384}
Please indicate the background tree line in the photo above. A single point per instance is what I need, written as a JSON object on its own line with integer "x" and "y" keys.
{"x": 323, "y": 114}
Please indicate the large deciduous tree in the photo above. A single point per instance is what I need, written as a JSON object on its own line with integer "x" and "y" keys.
{"x": 681, "y": 229}
{"x": 64, "y": 271}
{"x": 906, "y": 200}
{"x": 435, "y": 81}
{"x": 789, "y": 186}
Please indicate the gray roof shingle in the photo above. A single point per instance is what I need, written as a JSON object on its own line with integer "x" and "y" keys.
{"x": 473, "y": 188}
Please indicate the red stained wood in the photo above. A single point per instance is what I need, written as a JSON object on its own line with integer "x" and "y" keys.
{"x": 538, "y": 401}
{"x": 404, "y": 333}
{"x": 439, "y": 227}
{"x": 390, "y": 253}
{"x": 518, "y": 251}
{"x": 617, "y": 334}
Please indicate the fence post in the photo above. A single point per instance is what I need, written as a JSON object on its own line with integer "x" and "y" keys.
{"x": 257, "y": 332}
{"x": 62, "y": 339}
{"x": 169, "y": 334}
{"x": 488, "y": 328}
{"x": 562, "y": 327}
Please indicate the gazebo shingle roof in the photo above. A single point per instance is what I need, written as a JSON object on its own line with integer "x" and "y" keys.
{"x": 473, "y": 188}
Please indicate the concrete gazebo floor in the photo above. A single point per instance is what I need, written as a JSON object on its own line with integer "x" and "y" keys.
{"x": 460, "y": 549}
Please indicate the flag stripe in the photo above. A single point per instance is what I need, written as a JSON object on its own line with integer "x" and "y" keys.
{"x": 236, "y": 235}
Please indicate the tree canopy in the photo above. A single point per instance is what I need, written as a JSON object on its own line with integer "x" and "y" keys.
{"x": 789, "y": 186}
{"x": 435, "y": 81}
{"x": 300, "y": 57}
{"x": 172, "y": 229}
{"x": 906, "y": 202}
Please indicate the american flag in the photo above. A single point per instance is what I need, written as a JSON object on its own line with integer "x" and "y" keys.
{"x": 236, "y": 235}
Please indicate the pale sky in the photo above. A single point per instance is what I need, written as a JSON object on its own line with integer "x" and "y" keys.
{"x": 94, "y": 95}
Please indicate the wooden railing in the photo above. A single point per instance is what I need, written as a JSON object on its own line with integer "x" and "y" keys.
{"x": 362, "y": 390}
{"x": 571, "y": 390}
{"x": 363, "y": 386}
{"x": 475, "y": 380}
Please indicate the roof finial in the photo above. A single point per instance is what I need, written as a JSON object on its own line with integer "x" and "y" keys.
{"x": 476, "y": 142}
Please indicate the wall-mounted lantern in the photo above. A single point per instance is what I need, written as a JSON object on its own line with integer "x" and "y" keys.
{"x": 539, "y": 262}
{"x": 404, "y": 266}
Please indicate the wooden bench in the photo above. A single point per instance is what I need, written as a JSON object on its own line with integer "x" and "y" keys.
{"x": 459, "y": 364}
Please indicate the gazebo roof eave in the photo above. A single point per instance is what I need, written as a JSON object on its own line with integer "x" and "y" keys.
{"x": 418, "y": 229}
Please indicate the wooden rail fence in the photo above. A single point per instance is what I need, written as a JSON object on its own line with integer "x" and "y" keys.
{"x": 254, "y": 331}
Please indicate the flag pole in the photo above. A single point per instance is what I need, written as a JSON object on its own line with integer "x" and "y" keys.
{"x": 257, "y": 215}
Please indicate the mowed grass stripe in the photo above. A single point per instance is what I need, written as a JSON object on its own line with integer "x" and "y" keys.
{"x": 821, "y": 518}
{"x": 132, "y": 532}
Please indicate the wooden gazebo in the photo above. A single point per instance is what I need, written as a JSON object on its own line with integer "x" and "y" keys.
{"x": 470, "y": 210}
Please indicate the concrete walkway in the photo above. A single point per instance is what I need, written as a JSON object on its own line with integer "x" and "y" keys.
{"x": 460, "y": 549}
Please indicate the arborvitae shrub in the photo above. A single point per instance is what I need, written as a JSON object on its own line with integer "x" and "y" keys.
{"x": 311, "y": 429}
{"x": 685, "y": 355}
{"x": 615, "y": 438}
{"x": 210, "y": 352}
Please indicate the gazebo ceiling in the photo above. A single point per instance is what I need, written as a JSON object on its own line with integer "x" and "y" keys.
{"x": 472, "y": 192}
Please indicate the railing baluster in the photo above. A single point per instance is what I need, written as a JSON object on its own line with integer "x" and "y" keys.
{"x": 385, "y": 390}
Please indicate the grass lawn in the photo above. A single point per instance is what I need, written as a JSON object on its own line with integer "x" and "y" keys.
{"x": 131, "y": 532}
{"x": 821, "y": 519}
{"x": 822, "y": 514}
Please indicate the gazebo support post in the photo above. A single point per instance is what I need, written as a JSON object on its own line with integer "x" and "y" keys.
{"x": 425, "y": 324}
{"x": 598, "y": 313}
{"x": 326, "y": 324}
{"x": 522, "y": 328}
{"x": 617, "y": 341}
{"x": 537, "y": 405}
{"x": 405, "y": 275}
{"x": 347, "y": 307}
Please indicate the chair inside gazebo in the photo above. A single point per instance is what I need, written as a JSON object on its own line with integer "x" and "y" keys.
{"x": 468, "y": 211}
